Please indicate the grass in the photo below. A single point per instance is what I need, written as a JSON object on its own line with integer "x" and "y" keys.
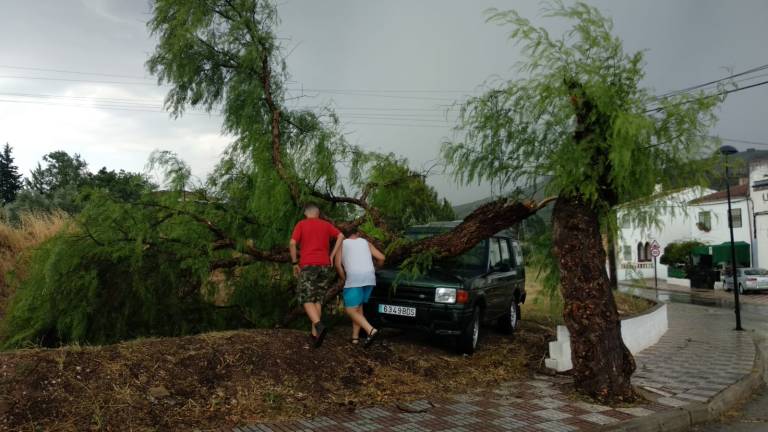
{"x": 16, "y": 240}
{"x": 541, "y": 307}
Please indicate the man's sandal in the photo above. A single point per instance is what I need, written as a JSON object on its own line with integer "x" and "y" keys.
{"x": 322, "y": 331}
{"x": 371, "y": 338}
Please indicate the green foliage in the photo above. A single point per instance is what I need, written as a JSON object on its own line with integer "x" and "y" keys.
{"x": 678, "y": 254}
{"x": 537, "y": 247}
{"x": 180, "y": 260}
{"x": 78, "y": 292}
{"x": 10, "y": 178}
{"x": 60, "y": 171}
{"x": 137, "y": 269}
{"x": 65, "y": 183}
{"x": 415, "y": 266}
{"x": 580, "y": 116}
{"x": 403, "y": 196}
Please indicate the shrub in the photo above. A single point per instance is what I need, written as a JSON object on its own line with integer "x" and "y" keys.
{"x": 17, "y": 239}
{"x": 678, "y": 254}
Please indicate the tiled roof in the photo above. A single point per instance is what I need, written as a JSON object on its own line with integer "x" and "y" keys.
{"x": 736, "y": 191}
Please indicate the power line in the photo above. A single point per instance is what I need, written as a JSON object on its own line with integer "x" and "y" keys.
{"x": 99, "y": 106}
{"x": 354, "y": 123}
{"x": 722, "y": 93}
{"x": 689, "y": 89}
{"x": 72, "y": 72}
{"x": 78, "y": 80}
{"x": 139, "y": 102}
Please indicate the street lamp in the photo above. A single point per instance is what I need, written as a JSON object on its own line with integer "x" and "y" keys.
{"x": 725, "y": 151}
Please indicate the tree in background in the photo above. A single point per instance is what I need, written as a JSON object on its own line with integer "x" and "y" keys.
{"x": 580, "y": 117}
{"x": 10, "y": 177}
{"x": 63, "y": 182}
{"x": 60, "y": 171}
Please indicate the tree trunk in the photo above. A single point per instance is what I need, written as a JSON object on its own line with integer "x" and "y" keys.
{"x": 602, "y": 364}
{"x": 614, "y": 277}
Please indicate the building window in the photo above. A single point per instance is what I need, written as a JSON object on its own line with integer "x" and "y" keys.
{"x": 640, "y": 252}
{"x": 736, "y": 217}
{"x": 626, "y": 221}
{"x": 626, "y": 251}
{"x": 647, "y": 254}
{"x": 705, "y": 221}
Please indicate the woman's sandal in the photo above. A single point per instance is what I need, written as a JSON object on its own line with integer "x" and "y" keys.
{"x": 355, "y": 341}
{"x": 371, "y": 338}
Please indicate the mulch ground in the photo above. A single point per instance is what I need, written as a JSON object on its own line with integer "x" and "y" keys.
{"x": 225, "y": 379}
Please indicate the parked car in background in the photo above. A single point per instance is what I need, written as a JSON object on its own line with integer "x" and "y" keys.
{"x": 748, "y": 279}
{"x": 457, "y": 295}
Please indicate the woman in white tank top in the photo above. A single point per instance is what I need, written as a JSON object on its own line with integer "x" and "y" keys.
{"x": 354, "y": 262}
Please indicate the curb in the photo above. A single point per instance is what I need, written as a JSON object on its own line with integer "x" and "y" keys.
{"x": 683, "y": 418}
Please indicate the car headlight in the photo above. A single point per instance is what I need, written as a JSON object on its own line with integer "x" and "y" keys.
{"x": 445, "y": 295}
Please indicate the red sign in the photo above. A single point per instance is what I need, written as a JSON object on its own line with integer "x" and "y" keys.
{"x": 655, "y": 249}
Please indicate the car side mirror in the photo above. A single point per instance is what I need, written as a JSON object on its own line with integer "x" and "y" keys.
{"x": 502, "y": 267}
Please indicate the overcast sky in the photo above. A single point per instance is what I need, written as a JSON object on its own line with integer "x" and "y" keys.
{"x": 390, "y": 67}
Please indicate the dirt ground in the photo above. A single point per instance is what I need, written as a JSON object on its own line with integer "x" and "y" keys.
{"x": 226, "y": 379}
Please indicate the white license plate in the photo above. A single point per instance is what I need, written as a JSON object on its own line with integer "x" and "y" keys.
{"x": 397, "y": 310}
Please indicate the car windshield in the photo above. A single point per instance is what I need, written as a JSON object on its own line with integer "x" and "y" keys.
{"x": 471, "y": 262}
{"x": 755, "y": 272}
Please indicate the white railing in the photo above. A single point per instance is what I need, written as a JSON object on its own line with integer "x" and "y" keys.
{"x": 636, "y": 265}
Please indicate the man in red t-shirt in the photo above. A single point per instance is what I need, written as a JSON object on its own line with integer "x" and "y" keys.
{"x": 313, "y": 270}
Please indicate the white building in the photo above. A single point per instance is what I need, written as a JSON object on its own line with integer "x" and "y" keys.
{"x": 690, "y": 214}
{"x": 758, "y": 200}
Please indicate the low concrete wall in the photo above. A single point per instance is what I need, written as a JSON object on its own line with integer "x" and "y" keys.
{"x": 677, "y": 281}
{"x": 638, "y": 332}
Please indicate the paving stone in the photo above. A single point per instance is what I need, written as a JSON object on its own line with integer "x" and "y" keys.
{"x": 365, "y": 425}
{"x": 551, "y": 414}
{"x": 509, "y": 423}
{"x": 672, "y": 402}
{"x": 462, "y": 419}
{"x": 555, "y": 426}
{"x": 598, "y": 418}
{"x": 636, "y": 411}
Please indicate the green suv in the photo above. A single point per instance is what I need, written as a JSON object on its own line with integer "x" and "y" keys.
{"x": 458, "y": 295}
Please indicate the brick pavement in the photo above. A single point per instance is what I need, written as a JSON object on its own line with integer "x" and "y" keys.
{"x": 699, "y": 356}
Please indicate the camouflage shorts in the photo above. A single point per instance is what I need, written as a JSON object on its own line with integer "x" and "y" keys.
{"x": 314, "y": 282}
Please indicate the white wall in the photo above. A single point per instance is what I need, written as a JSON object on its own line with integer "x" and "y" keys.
{"x": 758, "y": 171}
{"x": 638, "y": 333}
{"x": 676, "y": 223}
{"x": 720, "y": 232}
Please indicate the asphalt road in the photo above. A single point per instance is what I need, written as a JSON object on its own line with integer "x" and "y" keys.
{"x": 752, "y": 416}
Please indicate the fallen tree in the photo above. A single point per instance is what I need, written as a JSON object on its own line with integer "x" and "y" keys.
{"x": 580, "y": 118}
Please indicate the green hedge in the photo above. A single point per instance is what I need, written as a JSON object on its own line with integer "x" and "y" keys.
{"x": 675, "y": 272}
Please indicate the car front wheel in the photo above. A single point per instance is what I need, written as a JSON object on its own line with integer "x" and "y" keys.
{"x": 466, "y": 342}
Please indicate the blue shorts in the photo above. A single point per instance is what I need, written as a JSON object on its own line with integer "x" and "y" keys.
{"x": 355, "y": 296}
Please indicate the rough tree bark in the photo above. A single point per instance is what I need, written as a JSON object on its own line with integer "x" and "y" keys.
{"x": 602, "y": 363}
{"x": 614, "y": 277}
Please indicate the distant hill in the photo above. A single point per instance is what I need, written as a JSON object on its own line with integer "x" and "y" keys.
{"x": 463, "y": 210}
